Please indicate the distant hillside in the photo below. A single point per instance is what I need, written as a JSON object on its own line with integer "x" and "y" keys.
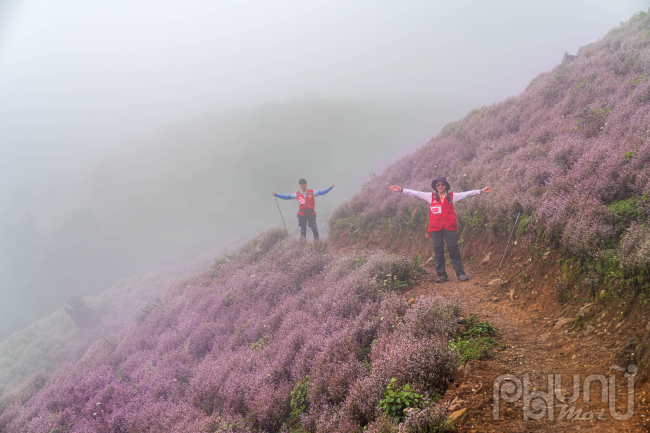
{"x": 573, "y": 150}
{"x": 191, "y": 187}
{"x": 54, "y": 341}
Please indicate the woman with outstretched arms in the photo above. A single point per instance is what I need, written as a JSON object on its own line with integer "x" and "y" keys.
{"x": 442, "y": 223}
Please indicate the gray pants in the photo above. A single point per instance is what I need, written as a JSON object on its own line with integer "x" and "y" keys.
{"x": 440, "y": 238}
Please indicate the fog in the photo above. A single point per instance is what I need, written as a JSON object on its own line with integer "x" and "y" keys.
{"x": 136, "y": 134}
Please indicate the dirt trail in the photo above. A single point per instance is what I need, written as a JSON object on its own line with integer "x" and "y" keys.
{"x": 538, "y": 336}
{"x": 535, "y": 346}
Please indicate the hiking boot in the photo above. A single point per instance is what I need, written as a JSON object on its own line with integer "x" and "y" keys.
{"x": 441, "y": 279}
{"x": 463, "y": 277}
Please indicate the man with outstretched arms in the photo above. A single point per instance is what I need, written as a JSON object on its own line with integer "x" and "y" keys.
{"x": 442, "y": 223}
{"x": 306, "y": 203}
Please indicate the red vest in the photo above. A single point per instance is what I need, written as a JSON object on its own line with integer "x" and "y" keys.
{"x": 442, "y": 215}
{"x": 306, "y": 201}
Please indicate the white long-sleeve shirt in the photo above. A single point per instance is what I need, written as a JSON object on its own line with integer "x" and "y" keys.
{"x": 428, "y": 196}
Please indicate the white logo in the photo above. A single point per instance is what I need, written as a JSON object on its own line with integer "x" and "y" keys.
{"x": 436, "y": 209}
{"x": 538, "y": 404}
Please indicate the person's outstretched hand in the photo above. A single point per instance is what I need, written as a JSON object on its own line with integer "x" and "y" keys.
{"x": 332, "y": 185}
{"x": 488, "y": 189}
{"x": 273, "y": 193}
{"x": 395, "y": 188}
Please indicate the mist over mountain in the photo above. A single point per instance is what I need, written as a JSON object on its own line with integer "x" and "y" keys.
{"x": 56, "y": 340}
{"x": 191, "y": 187}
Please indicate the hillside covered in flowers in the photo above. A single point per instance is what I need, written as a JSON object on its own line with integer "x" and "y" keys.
{"x": 284, "y": 334}
{"x": 293, "y": 336}
{"x": 572, "y": 151}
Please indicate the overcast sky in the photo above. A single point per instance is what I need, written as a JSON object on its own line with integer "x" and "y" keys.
{"x": 77, "y": 76}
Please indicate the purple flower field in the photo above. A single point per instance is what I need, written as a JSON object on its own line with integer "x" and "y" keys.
{"x": 575, "y": 144}
{"x": 224, "y": 350}
{"x": 293, "y": 336}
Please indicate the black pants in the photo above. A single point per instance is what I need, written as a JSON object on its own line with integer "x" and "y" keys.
{"x": 440, "y": 238}
{"x": 310, "y": 220}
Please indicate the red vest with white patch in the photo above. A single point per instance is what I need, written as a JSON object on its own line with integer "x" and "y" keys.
{"x": 442, "y": 215}
{"x": 306, "y": 202}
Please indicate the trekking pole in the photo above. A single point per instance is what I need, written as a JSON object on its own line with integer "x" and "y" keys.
{"x": 285, "y": 226}
{"x": 513, "y": 230}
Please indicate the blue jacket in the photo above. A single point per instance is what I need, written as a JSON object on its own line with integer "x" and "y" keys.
{"x": 293, "y": 196}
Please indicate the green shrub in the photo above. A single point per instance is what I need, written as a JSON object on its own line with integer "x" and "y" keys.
{"x": 396, "y": 399}
{"x": 475, "y": 348}
{"x": 477, "y": 328}
{"x": 477, "y": 341}
{"x": 624, "y": 211}
{"x": 299, "y": 401}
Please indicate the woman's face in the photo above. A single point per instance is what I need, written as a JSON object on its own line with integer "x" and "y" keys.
{"x": 441, "y": 187}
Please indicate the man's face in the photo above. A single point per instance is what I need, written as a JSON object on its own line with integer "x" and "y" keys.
{"x": 303, "y": 187}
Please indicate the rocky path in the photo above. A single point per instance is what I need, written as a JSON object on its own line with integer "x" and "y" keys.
{"x": 539, "y": 346}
